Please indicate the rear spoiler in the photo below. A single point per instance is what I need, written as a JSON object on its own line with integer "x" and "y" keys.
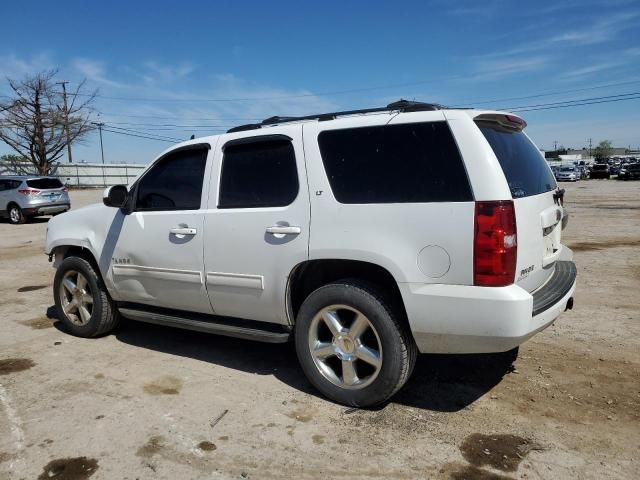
{"x": 505, "y": 120}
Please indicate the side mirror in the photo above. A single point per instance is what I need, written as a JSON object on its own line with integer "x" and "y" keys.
{"x": 116, "y": 196}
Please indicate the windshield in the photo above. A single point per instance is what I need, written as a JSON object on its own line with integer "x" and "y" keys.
{"x": 524, "y": 167}
{"x": 567, "y": 169}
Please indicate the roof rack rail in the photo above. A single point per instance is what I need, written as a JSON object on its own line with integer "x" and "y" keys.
{"x": 401, "y": 106}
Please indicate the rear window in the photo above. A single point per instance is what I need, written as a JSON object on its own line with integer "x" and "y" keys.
{"x": 525, "y": 169}
{"x": 600, "y": 167}
{"x": 408, "y": 163}
{"x": 44, "y": 183}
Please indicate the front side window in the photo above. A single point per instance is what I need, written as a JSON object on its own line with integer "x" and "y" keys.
{"x": 258, "y": 174}
{"x": 174, "y": 182}
{"x": 406, "y": 163}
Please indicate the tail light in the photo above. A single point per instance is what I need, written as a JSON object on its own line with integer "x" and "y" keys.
{"x": 29, "y": 191}
{"x": 65, "y": 189}
{"x": 495, "y": 245}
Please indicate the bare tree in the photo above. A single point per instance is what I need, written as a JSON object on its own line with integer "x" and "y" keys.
{"x": 38, "y": 124}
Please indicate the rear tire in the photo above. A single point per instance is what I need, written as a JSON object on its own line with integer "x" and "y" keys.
{"x": 352, "y": 343}
{"x": 83, "y": 303}
{"x": 16, "y": 217}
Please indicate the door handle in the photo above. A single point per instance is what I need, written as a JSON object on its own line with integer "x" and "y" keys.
{"x": 183, "y": 231}
{"x": 283, "y": 230}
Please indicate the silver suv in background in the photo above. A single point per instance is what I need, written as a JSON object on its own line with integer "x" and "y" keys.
{"x": 23, "y": 197}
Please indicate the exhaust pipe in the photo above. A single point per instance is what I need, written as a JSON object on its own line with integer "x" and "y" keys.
{"x": 569, "y": 304}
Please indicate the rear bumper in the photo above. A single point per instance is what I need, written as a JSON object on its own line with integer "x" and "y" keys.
{"x": 46, "y": 209}
{"x": 467, "y": 319}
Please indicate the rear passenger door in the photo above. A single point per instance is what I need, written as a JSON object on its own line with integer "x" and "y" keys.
{"x": 257, "y": 223}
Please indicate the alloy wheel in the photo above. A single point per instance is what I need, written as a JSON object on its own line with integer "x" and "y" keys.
{"x": 345, "y": 347}
{"x": 76, "y": 297}
{"x": 14, "y": 214}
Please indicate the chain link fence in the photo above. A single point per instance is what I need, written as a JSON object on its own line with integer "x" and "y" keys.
{"x": 81, "y": 174}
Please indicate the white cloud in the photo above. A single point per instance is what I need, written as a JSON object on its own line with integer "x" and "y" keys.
{"x": 165, "y": 73}
{"x": 15, "y": 67}
{"x": 591, "y": 69}
{"x": 600, "y": 31}
{"x": 95, "y": 71}
{"x": 492, "y": 69}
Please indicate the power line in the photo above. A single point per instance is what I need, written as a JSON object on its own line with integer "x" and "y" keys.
{"x": 129, "y": 130}
{"x": 195, "y": 119}
{"x": 342, "y": 92}
{"x": 550, "y": 94}
{"x": 579, "y": 104}
{"x": 570, "y": 101}
{"x": 138, "y": 136}
{"x": 170, "y": 125}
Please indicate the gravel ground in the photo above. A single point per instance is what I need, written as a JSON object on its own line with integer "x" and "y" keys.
{"x": 150, "y": 402}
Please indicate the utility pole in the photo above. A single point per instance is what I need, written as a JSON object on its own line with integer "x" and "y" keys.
{"x": 100, "y": 125}
{"x": 589, "y": 147}
{"x": 66, "y": 117}
{"x": 555, "y": 145}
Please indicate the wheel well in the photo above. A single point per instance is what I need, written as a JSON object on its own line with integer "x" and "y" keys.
{"x": 75, "y": 251}
{"x": 313, "y": 274}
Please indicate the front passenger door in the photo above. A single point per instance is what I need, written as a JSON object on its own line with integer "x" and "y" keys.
{"x": 158, "y": 256}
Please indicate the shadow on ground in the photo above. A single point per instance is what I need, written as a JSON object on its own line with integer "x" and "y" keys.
{"x": 442, "y": 383}
{"x": 31, "y": 220}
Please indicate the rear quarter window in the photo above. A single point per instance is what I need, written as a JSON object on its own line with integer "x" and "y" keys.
{"x": 406, "y": 163}
{"x": 526, "y": 171}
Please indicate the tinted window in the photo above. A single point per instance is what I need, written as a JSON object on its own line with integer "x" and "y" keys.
{"x": 416, "y": 162}
{"x": 174, "y": 183}
{"x": 258, "y": 174}
{"x": 525, "y": 169}
{"x": 4, "y": 185}
{"x": 45, "y": 183}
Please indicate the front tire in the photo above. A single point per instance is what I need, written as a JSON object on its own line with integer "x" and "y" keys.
{"x": 16, "y": 217}
{"x": 352, "y": 344}
{"x": 82, "y": 300}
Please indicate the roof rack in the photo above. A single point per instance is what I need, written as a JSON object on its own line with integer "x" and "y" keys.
{"x": 400, "y": 106}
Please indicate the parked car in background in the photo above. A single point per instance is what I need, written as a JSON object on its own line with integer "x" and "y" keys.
{"x": 629, "y": 171}
{"x": 614, "y": 168}
{"x": 366, "y": 237}
{"x": 25, "y": 197}
{"x": 600, "y": 170}
{"x": 583, "y": 171}
{"x": 568, "y": 174}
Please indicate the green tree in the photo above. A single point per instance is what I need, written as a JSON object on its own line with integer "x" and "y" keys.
{"x": 603, "y": 150}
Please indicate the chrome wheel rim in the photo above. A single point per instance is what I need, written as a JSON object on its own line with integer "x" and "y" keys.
{"x": 14, "y": 214}
{"x": 345, "y": 347}
{"x": 76, "y": 298}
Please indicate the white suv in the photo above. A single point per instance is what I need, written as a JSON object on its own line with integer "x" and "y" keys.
{"x": 366, "y": 236}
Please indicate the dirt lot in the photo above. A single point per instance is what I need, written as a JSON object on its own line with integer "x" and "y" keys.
{"x": 141, "y": 403}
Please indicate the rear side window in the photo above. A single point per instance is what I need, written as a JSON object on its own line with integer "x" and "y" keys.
{"x": 525, "y": 169}
{"x": 174, "y": 183}
{"x": 44, "y": 183}
{"x": 408, "y": 163}
{"x": 258, "y": 174}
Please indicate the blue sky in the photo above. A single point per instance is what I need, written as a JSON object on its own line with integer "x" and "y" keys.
{"x": 207, "y": 65}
